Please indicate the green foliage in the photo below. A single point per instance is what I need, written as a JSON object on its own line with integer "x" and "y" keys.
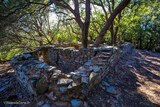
{"x": 7, "y": 55}
{"x": 25, "y": 26}
{"x": 141, "y": 25}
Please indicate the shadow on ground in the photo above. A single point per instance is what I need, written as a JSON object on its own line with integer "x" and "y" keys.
{"x": 137, "y": 77}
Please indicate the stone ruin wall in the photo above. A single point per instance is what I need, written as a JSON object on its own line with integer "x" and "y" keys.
{"x": 65, "y": 74}
{"x": 69, "y": 60}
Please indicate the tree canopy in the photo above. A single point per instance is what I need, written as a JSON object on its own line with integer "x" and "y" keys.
{"x": 27, "y": 24}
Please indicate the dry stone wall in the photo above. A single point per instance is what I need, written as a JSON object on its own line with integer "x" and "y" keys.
{"x": 50, "y": 78}
{"x": 68, "y": 60}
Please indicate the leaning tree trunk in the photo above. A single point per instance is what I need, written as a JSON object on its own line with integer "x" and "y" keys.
{"x": 110, "y": 20}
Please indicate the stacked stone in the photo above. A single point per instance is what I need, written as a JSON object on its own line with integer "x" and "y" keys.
{"x": 68, "y": 60}
{"x": 39, "y": 78}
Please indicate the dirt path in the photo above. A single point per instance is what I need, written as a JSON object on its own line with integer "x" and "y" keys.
{"x": 137, "y": 79}
{"x": 147, "y": 72}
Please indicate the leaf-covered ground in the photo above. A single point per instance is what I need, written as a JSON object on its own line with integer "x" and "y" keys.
{"x": 137, "y": 78}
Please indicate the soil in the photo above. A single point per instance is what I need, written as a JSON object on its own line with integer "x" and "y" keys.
{"x": 137, "y": 77}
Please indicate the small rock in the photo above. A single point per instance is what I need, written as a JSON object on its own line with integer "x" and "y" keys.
{"x": 58, "y": 71}
{"x": 84, "y": 74}
{"x": 72, "y": 85}
{"x": 103, "y": 87}
{"x": 86, "y": 104}
{"x": 61, "y": 104}
{"x": 55, "y": 76}
{"x": 130, "y": 66}
{"x": 50, "y": 68}
{"x": 34, "y": 76}
{"x": 81, "y": 69}
{"x": 64, "y": 81}
{"x": 42, "y": 85}
{"x": 41, "y": 65}
{"x": 112, "y": 89}
{"x": 40, "y": 103}
{"x": 46, "y": 105}
{"x": 76, "y": 103}
{"x": 88, "y": 63}
{"x": 26, "y": 56}
{"x": 68, "y": 76}
{"x": 63, "y": 89}
{"x": 87, "y": 69}
{"x": 51, "y": 97}
{"x": 92, "y": 76}
{"x": 69, "y": 87}
{"x": 76, "y": 76}
{"x": 84, "y": 80}
{"x": 95, "y": 68}
{"x": 104, "y": 83}
{"x": 24, "y": 69}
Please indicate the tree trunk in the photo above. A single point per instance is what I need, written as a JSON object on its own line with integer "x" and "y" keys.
{"x": 140, "y": 41}
{"x": 86, "y": 24}
{"x": 84, "y": 37}
{"x": 112, "y": 34}
{"x": 110, "y": 20}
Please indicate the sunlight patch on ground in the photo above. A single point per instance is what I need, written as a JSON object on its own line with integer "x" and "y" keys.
{"x": 151, "y": 91}
{"x": 149, "y": 86}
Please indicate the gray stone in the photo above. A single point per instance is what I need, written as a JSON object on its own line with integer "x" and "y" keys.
{"x": 72, "y": 85}
{"x": 24, "y": 69}
{"x": 40, "y": 103}
{"x": 95, "y": 68}
{"x": 58, "y": 71}
{"x": 85, "y": 80}
{"x": 27, "y": 56}
{"x": 55, "y": 75}
{"x": 81, "y": 69}
{"x": 34, "y": 76}
{"x": 84, "y": 74}
{"x": 68, "y": 76}
{"x": 64, "y": 81}
{"x": 42, "y": 85}
{"x": 42, "y": 65}
{"x": 76, "y": 103}
{"x": 130, "y": 66}
{"x": 104, "y": 83}
{"x": 89, "y": 63}
{"x": 51, "y": 97}
{"x": 63, "y": 89}
{"x": 112, "y": 89}
{"x": 92, "y": 76}
{"x": 46, "y": 105}
{"x": 103, "y": 87}
{"x": 50, "y": 68}
{"x": 61, "y": 104}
